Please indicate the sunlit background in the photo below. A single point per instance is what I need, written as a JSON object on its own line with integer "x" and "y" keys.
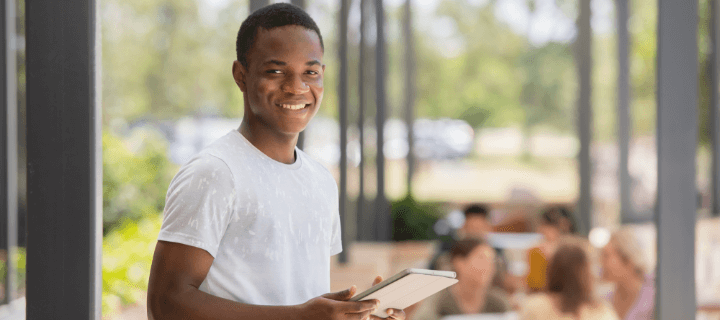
{"x": 495, "y": 109}
{"x": 495, "y": 117}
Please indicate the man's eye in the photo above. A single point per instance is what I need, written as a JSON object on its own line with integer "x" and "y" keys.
{"x": 273, "y": 71}
{"x": 311, "y": 72}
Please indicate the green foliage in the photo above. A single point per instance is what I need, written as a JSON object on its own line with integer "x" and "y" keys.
{"x": 498, "y": 79}
{"x": 164, "y": 59}
{"x": 643, "y": 66}
{"x": 134, "y": 183}
{"x": 704, "y": 74}
{"x": 136, "y": 173}
{"x": 413, "y": 220}
{"x": 20, "y": 273}
{"x": 161, "y": 58}
{"x": 127, "y": 257}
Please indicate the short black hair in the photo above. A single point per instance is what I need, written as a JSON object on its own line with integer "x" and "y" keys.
{"x": 476, "y": 210}
{"x": 270, "y": 17}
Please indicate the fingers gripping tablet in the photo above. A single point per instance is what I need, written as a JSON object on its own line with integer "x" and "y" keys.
{"x": 406, "y": 288}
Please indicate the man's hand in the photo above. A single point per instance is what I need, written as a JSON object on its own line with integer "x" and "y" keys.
{"x": 396, "y": 314}
{"x": 335, "y": 306}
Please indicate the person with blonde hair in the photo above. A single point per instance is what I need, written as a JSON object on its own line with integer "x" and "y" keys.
{"x": 569, "y": 290}
{"x": 624, "y": 265}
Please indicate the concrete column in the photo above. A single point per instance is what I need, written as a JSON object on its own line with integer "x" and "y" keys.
{"x": 257, "y": 4}
{"x": 382, "y": 207}
{"x": 343, "y": 100}
{"x": 361, "y": 212}
{"x": 623, "y": 113}
{"x": 409, "y": 90}
{"x": 677, "y": 137}
{"x": 583, "y": 48}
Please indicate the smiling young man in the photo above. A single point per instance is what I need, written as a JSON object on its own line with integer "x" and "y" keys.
{"x": 250, "y": 223}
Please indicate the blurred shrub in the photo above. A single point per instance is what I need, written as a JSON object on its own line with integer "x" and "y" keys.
{"x": 20, "y": 274}
{"x": 127, "y": 257}
{"x": 136, "y": 174}
{"x": 413, "y": 220}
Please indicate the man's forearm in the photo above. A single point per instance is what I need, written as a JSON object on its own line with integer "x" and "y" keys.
{"x": 192, "y": 303}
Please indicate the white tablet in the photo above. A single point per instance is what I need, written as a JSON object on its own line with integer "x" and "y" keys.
{"x": 406, "y": 288}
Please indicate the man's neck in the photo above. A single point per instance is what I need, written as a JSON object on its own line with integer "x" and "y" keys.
{"x": 278, "y": 146}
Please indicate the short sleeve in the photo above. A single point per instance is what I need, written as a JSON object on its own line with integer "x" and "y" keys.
{"x": 336, "y": 243}
{"x": 199, "y": 204}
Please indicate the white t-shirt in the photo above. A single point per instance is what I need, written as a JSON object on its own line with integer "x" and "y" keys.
{"x": 271, "y": 227}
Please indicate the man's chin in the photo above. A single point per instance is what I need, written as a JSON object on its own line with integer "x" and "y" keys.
{"x": 293, "y": 130}
{"x": 294, "y": 127}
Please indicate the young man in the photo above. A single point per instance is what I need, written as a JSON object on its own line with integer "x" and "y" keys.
{"x": 251, "y": 222}
{"x": 476, "y": 225}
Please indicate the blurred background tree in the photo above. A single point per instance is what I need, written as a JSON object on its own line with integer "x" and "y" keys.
{"x": 136, "y": 173}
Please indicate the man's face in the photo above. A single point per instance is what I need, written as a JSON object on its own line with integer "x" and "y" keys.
{"x": 476, "y": 226}
{"x": 283, "y": 83}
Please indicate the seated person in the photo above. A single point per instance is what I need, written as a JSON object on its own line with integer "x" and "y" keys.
{"x": 474, "y": 262}
{"x": 623, "y": 264}
{"x": 554, "y": 223}
{"x": 569, "y": 291}
{"x": 476, "y": 225}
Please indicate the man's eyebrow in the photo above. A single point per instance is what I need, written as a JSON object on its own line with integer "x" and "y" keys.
{"x": 283, "y": 63}
{"x": 277, "y": 62}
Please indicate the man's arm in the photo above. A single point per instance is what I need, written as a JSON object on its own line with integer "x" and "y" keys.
{"x": 173, "y": 293}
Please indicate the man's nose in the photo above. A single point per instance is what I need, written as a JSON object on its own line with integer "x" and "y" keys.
{"x": 295, "y": 85}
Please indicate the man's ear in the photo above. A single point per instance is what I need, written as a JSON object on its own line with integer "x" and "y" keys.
{"x": 239, "y": 72}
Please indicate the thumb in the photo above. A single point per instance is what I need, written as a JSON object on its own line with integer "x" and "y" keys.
{"x": 341, "y": 295}
{"x": 377, "y": 280}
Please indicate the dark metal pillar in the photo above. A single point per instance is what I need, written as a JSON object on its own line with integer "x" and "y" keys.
{"x": 677, "y": 132}
{"x": 343, "y": 100}
{"x": 715, "y": 107}
{"x": 382, "y": 212}
{"x": 624, "y": 123}
{"x": 257, "y": 4}
{"x": 409, "y": 91}
{"x": 583, "y": 44}
{"x": 63, "y": 160}
{"x": 8, "y": 147}
{"x": 361, "y": 214}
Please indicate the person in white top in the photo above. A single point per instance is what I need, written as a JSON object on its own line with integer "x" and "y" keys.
{"x": 624, "y": 264}
{"x": 250, "y": 223}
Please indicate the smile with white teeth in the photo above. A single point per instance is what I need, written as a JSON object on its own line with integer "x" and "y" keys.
{"x": 293, "y": 106}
